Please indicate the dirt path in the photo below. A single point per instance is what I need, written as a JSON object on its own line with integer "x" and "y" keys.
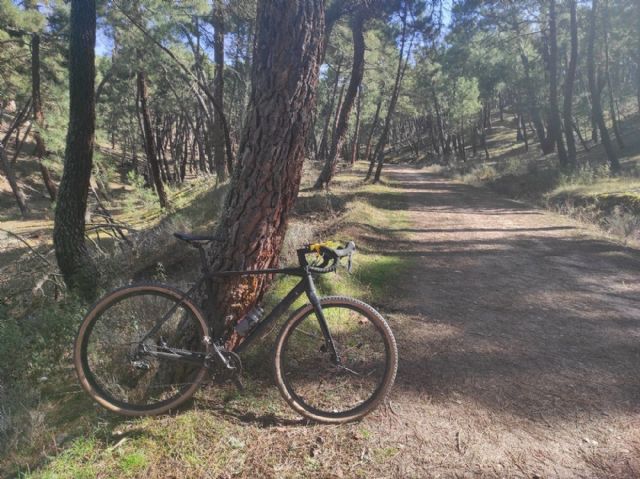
{"x": 519, "y": 339}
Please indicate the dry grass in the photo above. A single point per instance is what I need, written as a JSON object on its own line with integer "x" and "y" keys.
{"x": 589, "y": 194}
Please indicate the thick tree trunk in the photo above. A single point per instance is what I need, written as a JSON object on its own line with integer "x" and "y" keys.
{"x": 265, "y": 183}
{"x": 149, "y": 142}
{"x": 69, "y": 229}
{"x": 38, "y": 116}
{"x": 218, "y": 91}
{"x": 357, "y": 72}
{"x": 555, "y": 129}
{"x": 595, "y": 90}
{"x": 568, "y": 86}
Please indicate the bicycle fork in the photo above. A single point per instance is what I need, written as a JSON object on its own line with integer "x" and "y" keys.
{"x": 324, "y": 327}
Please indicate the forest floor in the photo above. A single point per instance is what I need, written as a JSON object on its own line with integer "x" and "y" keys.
{"x": 519, "y": 339}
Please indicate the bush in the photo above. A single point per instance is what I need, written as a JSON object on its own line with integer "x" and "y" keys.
{"x": 480, "y": 175}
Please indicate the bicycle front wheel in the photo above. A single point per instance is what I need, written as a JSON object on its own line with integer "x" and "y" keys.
{"x": 118, "y": 367}
{"x": 321, "y": 388}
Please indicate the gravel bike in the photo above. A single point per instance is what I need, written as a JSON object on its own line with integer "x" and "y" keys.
{"x": 144, "y": 349}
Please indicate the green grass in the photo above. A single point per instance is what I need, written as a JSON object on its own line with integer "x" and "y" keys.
{"x": 222, "y": 432}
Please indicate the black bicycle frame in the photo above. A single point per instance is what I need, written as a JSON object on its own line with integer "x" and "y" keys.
{"x": 306, "y": 285}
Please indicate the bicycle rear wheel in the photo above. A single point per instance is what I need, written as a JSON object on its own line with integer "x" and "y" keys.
{"x": 115, "y": 367}
{"x": 322, "y": 389}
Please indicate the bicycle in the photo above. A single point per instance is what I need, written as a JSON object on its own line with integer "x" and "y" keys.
{"x": 144, "y": 349}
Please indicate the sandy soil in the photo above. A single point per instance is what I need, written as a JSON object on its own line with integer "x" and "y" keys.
{"x": 519, "y": 340}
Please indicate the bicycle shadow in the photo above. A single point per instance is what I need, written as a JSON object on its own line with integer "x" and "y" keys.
{"x": 265, "y": 420}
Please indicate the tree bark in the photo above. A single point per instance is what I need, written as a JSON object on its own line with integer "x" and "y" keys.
{"x": 218, "y": 91}
{"x": 75, "y": 263}
{"x": 595, "y": 89}
{"x": 38, "y": 116}
{"x": 568, "y": 86}
{"x": 357, "y": 72}
{"x": 265, "y": 183}
{"x": 149, "y": 142}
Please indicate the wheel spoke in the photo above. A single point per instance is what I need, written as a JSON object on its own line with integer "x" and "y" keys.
{"x": 326, "y": 387}
{"x": 125, "y": 371}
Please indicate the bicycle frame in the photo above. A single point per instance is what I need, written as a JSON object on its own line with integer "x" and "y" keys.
{"x": 306, "y": 286}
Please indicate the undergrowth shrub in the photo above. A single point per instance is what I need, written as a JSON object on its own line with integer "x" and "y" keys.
{"x": 585, "y": 175}
{"x": 480, "y": 175}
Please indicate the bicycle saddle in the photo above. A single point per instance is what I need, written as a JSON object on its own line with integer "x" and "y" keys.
{"x": 189, "y": 238}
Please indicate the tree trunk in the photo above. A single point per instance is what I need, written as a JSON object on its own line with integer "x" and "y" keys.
{"x": 525, "y": 134}
{"x": 568, "y": 86}
{"x": 357, "y": 72}
{"x": 288, "y": 47}
{"x": 637, "y": 33}
{"x": 218, "y": 91}
{"x": 38, "y": 116}
{"x": 595, "y": 89}
{"x": 355, "y": 146}
{"x": 149, "y": 142}
{"x": 534, "y": 112}
{"x": 322, "y": 148}
{"x": 612, "y": 109}
{"x": 20, "y": 145}
{"x": 374, "y": 125}
{"x": 519, "y": 136}
{"x": 584, "y": 143}
{"x": 69, "y": 229}
{"x": 555, "y": 129}
{"x": 402, "y": 66}
{"x": 436, "y": 105}
{"x": 15, "y": 188}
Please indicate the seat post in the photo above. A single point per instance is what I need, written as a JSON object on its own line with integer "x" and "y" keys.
{"x": 203, "y": 259}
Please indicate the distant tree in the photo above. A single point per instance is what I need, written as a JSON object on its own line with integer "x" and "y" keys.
{"x": 595, "y": 87}
{"x": 149, "y": 141}
{"x": 77, "y": 267}
{"x": 218, "y": 90}
{"x": 38, "y": 116}
{"x": 555, "y": 127}
{"x": 357, "y": 72}
{"x": 569, "y": 84}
